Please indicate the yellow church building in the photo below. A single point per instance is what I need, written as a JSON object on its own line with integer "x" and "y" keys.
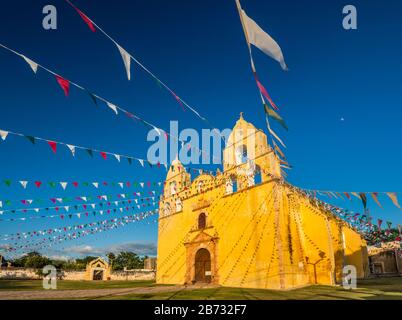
{"x": 247, "y": 227}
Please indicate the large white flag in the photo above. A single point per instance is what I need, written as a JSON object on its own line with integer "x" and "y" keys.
{"x": 126, "y": 59}
{"x": 262, "y": 40}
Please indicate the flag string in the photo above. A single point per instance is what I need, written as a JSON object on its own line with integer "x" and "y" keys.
{"x": 72, "y": 227}
{"x": 96, "y": 184}
{"x": 150, "y": 73}
{"x": 77, "y": 214}
{"x": 76, "y": 206}
{"x": 105, "y": 197}
{"x": 64, "y": 83}
{"x": 48, "y": 243}
{"x": 73, "y": 147}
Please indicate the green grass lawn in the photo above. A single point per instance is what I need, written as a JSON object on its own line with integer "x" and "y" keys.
{"x": 381, "y": 288}
{"x": 71, "y": 285}
{"x": 377, "y": 289}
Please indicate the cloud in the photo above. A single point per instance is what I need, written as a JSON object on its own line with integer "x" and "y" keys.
{"x": 59, "y": 257}
{"x": 83, "y": 250}
{"x": 140, "y": 248}
{"x": 148, "y": 249}
{"x": 5, "y": 246}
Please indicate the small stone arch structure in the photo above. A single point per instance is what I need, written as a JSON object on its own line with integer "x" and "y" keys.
{"x": 97, "y": 269}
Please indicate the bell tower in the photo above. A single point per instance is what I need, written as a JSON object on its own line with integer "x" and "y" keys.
{"x": 247, "y": 156}
{"x": 177, "y": 180}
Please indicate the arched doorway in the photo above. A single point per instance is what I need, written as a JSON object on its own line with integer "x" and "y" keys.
{"x": 97, "y": 274}
{"x": 202, "y": 266}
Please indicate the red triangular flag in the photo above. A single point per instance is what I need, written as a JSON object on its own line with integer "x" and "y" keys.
{"x": 86, "y": 20}
{"x": 38, "y": 184}
{"x": 179, "y": 101}
{"x": 64, "y": 84}
{"x": 53, "y": 145}
{"x": 103, "y": 154}
{"x": 264, "y": 92}
{"x": 75, "y": 184}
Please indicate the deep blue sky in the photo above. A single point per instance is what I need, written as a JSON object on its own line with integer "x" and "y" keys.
{"x": 198, "y": 48}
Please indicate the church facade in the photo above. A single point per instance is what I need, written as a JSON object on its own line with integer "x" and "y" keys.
{"x": 247, "y": 227}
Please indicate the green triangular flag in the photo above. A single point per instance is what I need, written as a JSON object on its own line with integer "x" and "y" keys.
{"x": 158, "y": 83}
{"x": 7, "y": 182}
{"x": 274, "y": 115}
{"x": 86, "y": 184}
{"x": 95, "y": 101}
{"x": 52, "y": 184}
{"x": 90, "y": 152}
{"x": 31, "y": 139}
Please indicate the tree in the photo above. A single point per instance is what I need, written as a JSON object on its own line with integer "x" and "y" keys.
{"x": 111, "y": 257}
{"x": 82, "y": 263}
{"x": 128, "y": 260}
{"x": 32, "y": 260}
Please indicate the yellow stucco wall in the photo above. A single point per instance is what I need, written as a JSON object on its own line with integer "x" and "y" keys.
{"x": 261, "y": 236}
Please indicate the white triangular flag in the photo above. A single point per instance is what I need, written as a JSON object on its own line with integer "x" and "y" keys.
{"x": 93, "y": 205}
{"x": 121, "y": 184}
{"x": 84, "y": 198}
{"x": 79, "y": 215}
{"x": 262, "y": 40}
{"x": 32, "y": 64}
{"x": 116, "y": 203}
{"x": 276, "y": 137}
{"x": 72, "y": 149}
{"x": 63, "y": 185}
{"x": 126, "y": 59}
{"x": 121, "y": 209}
{"x": 141, "y": 161}
{"x": 123, "y": 195}
{"x": 59, "y": 200}
{"x": 112, "y": 106}
{"x": 36, "y": 210}
{"x": 117, "y": 157}
{"x": 24, "y": 184}
{"x": 67, "y": 208}
{"x": 142, "y": 184}
{"x": 139, "y": 206}
{"x": 3, "y": 134}
{"x": 136, "y": 200}
{"x": 95, "y": 184}
{"x": 30, "y": 201}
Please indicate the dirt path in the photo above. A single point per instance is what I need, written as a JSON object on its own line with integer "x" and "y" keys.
{"x": 88, "y": 293}
{"x": 80, "y": 294}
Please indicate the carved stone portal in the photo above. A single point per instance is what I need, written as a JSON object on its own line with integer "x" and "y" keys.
{"x": 201, "y": 259}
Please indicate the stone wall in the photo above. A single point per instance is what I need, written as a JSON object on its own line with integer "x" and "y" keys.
{"x": 30, "y": 274}
{"x": 133, "y": 275}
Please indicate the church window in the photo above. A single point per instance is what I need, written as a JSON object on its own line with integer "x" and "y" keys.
{"x": 257, "y": 175}
{"x": 241, "y": 154}
{"x": 179, "y": 205}
{"x": 202, "y": 220}
{"x": 173, "y": 188}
